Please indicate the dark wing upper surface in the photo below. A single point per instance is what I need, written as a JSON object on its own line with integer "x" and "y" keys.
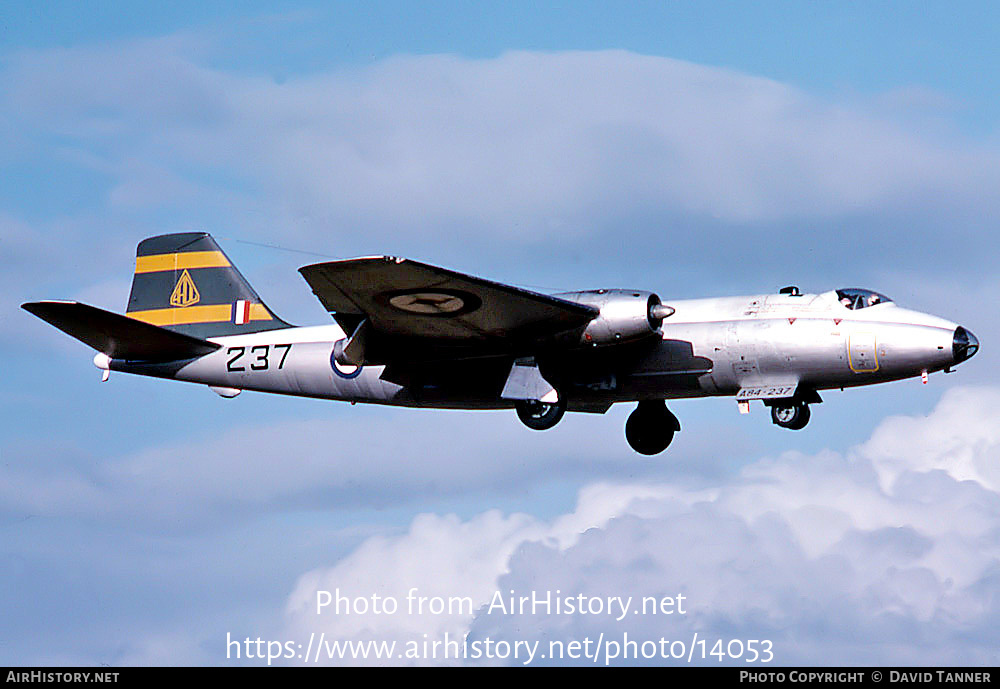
{"x": 405, "y": 298}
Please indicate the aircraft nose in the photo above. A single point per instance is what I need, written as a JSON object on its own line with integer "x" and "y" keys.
{"x": 963, "y": 345}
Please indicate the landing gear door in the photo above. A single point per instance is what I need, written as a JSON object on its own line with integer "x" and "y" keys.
{"x": 861, "y": 352}
{"x": 525, "y": 382}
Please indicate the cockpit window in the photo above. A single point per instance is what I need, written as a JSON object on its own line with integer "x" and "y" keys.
{"x": 860, "y": 298}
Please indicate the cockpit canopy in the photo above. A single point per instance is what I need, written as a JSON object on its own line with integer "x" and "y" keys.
{"x": 854, "y": 298}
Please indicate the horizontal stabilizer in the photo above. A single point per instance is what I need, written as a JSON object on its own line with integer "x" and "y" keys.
{"x": 120, "y": 337}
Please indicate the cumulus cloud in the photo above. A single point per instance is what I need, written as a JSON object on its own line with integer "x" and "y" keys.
{"x": 523, "y": 145}
{"x": 885, "y": 554}
{"x": 964, "y": 429}
{"x": 437, "y": 575}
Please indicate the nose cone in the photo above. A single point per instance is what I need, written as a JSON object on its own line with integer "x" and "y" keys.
{"x": 963, "y": 345}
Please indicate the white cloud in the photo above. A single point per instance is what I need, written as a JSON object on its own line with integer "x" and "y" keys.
{"x": 888, "y": 554}
{"x": 961, "y": 437}
{"x": 521, "y": 144}
{"x": 440, "y": 561}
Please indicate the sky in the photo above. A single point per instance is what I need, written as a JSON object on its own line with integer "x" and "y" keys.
{"x": 691, "y": 149}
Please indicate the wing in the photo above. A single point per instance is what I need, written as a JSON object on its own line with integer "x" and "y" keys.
{"x": 416, "y": 302}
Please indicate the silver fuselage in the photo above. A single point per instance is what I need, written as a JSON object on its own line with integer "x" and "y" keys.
{"x": 707, "y": 347}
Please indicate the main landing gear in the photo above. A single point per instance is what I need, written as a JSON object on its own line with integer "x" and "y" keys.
{"x": 792, "y": 415}
{"x": 540, "y": 416}
{"x": 651, "y": 427}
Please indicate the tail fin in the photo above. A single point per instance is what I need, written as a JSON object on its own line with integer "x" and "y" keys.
{"x": 185, "y": 283}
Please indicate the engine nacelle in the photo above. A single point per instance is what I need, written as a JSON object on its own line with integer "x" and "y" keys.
{"x": 625, "y": 315}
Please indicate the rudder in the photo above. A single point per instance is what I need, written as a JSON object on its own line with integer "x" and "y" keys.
{"x": 184, "y": 282}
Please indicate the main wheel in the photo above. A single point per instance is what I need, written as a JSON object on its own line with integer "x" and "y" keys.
{"x": 792, "y": 416}
{"x": 540, "y": 416}
{"x": 651, "y": 427}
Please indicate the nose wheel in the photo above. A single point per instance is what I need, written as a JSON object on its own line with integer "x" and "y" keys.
{"x": 791, "y": 416}
{"x": 651, "y": 427}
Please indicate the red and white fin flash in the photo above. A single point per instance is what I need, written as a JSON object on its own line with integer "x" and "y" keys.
{"x": 241, "y": 312}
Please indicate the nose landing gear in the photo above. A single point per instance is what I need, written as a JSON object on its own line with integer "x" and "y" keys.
{"x": 651, "y": 427}
{"x": 791, "y": 416}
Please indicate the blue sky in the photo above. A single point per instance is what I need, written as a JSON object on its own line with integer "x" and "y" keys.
{"x": 694, "y": 149}
{"x": 821, "y": 45}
